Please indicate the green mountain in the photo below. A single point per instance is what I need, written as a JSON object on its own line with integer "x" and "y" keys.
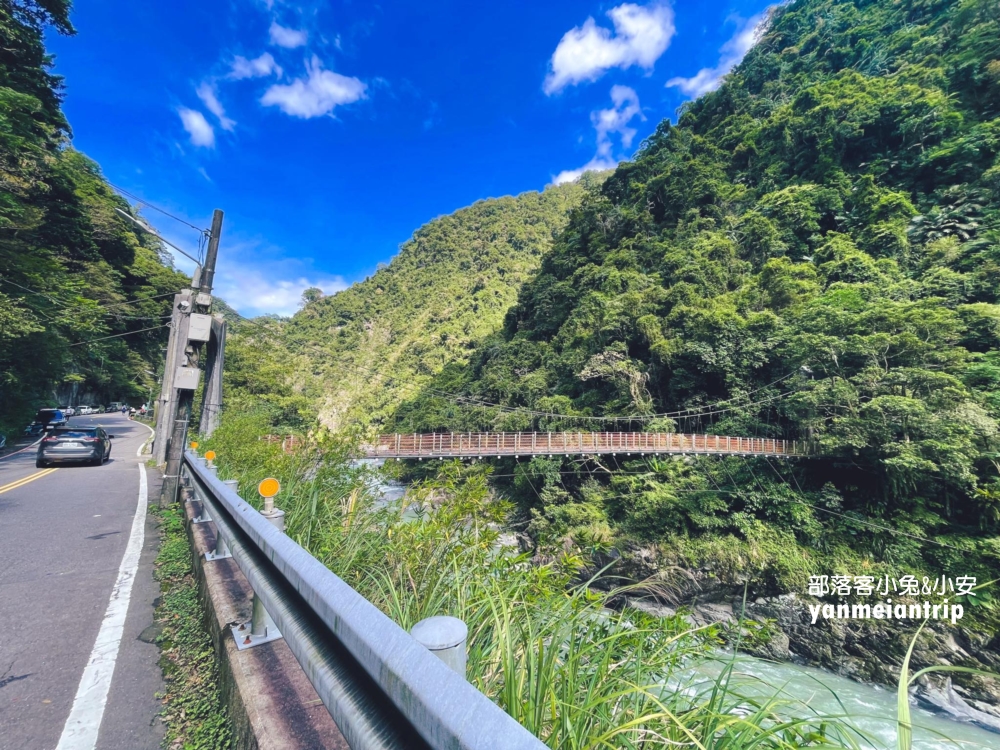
{"x": 369, "y": 346}
{"x": 83, "y": 297}
{"x": 816, "y": 244}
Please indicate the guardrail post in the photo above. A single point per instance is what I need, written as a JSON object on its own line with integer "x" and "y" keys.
{"x": 275, "y": 515}
{"x": 221, "y": 551}
{"x": 202, "y": 517}
{"x": 261, "y": 628}
{"x": 445, "y": 637}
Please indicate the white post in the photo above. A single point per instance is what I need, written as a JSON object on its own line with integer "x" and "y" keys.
{"x": 445, "y": 637}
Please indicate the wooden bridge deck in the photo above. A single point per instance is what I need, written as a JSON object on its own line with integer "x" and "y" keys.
{"x": 489, "y": 444}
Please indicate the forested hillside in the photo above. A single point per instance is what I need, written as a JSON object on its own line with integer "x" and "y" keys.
{"x": 373, "y": 344}
{"x": 74, "y": 276}
{"x": 817, "y": 245}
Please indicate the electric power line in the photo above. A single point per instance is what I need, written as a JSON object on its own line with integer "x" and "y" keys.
{"x": 134, "y": 301}
{"x": 118, "y": 335}
{"x": 69, "y": 306}
{"x": 144, "y": 202}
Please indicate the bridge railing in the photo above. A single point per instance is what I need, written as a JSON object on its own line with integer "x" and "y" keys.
{"x": 543, "y": 443}
{"x": 383, "y": 689}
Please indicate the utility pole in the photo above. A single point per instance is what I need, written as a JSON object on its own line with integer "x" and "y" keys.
{"x": 193, "y": 329}
{"x": 211, "y": 402}
{"x": 167, "y": 403}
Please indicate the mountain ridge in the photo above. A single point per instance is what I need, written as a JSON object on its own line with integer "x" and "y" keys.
{"x": 449, "y": 286}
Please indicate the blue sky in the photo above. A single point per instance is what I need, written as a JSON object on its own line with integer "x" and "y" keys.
{"x": 329, "y": 131}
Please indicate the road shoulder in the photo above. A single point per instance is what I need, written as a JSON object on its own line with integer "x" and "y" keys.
{"x": 132, "y": 718}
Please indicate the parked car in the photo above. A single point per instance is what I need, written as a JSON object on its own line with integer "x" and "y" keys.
{"x": 84, "y": 410}
{"x": 69, "y": 411}
{"x": 51, "y": 417}
{"x": 3, "y": 442}
{"x": 89, "y": 444}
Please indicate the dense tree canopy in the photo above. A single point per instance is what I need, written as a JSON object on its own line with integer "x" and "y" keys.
{"x": 370, "y": 346}
{"x": 73, "y": 272}
{"x": 817, "y": 245}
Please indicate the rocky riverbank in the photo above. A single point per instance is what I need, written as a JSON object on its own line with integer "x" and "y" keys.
{"x": 866, "y": 650}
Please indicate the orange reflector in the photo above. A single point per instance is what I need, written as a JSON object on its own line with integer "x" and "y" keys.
{"x": 194, "y": 445}
{"x": 210, "y": 456}
{"x": 269, "y": 487}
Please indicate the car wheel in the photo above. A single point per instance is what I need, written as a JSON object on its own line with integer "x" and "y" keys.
{"x": 40, "y": 464}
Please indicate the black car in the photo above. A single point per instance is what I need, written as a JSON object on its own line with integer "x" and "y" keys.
{"x": 50, "y": 417}
{"x": 89, "y": 444}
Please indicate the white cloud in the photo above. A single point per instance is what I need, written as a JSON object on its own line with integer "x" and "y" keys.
{"x": 316, "y": 95}
{"x": 605, "y": 122}
{"x": 616, "y": 119}
{"x": 197, "y": 127}
{"x": 642, "y": 34}
{"x": 254, "y": 276}
{"x": 594, "y": 165}
{"x": 286, "y": 37}
{"x": 256, "y": 68}
{"x": 206, "y": 92}
{"x": 260, "y": 291}
{"x": 730, "y": 55}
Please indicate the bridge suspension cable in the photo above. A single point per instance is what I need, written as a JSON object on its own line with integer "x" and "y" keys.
{"x": 684, "y": 414}
{"x": 692, "y": 412}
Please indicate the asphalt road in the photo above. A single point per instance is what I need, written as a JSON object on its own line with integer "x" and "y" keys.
{"x": 76, "y": 599}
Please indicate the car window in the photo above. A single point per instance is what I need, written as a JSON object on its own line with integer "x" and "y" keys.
{"x": 74, "y": 433}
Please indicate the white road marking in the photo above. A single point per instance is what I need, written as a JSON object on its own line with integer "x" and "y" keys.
{"x": 84, "y": 722}
{"x": 26, "y": 448}
{"x": 152, "y": 434}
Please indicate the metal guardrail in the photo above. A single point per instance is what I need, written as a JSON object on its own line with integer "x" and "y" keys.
{"x": 382, "y": 687}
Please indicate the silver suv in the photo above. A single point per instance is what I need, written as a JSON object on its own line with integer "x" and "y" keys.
{"x": 89, "y": 444}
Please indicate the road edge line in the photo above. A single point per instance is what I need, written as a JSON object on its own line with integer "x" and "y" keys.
{"x": 22, "y": 450}
{"x": 152, "y": 434}
{"x": 84, "y": 721}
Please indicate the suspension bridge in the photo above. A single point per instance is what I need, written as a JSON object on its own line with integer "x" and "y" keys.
{"x": 499, "y": 444}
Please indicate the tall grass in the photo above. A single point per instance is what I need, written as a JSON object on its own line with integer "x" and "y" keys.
{"x": 545, "y": 647}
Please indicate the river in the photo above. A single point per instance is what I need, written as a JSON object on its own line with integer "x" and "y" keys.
{"x": 811, "y": 691}
{"x": 870, "y": 708}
